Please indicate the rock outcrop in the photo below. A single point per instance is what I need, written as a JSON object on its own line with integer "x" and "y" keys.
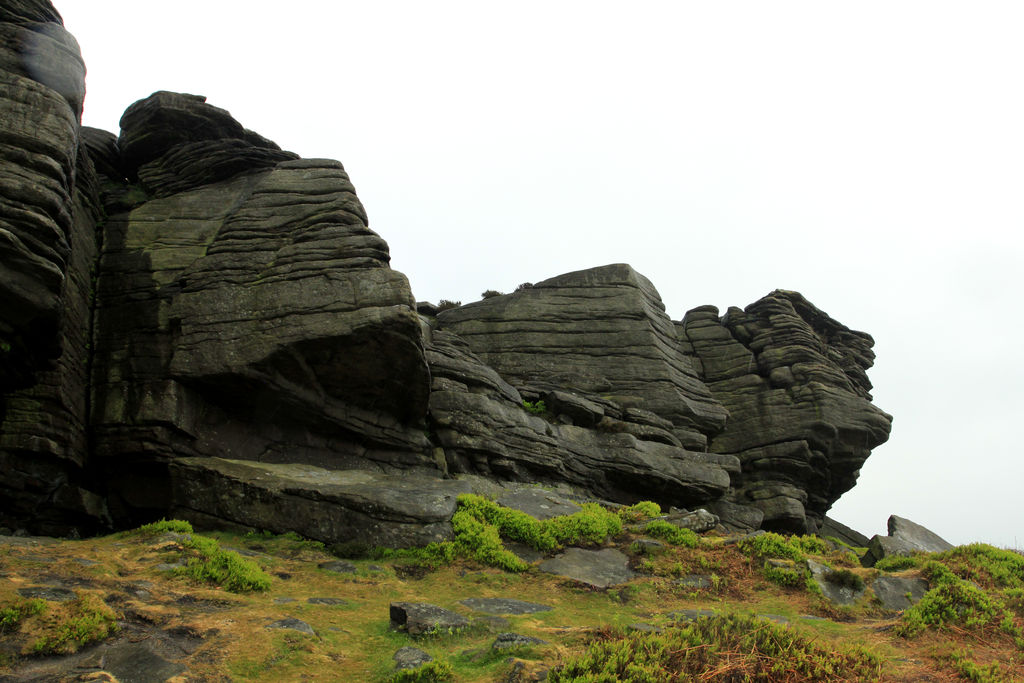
{"x": 48, "y": 245}
{"x": 196, "y": 322}
{"x": 601, "y": 331}
{"x": 795, "y": 384}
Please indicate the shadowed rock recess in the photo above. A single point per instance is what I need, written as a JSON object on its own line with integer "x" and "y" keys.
{"x": 196, "y": 323}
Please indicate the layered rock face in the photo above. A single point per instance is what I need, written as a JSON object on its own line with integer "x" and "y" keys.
{"x": 197, "y": 323}
{"x": 245, "y": 311}
{"x": 593, "y": 444}
{"x": 48, "y": 244}
{"x": 795, "y": 384}
{"x": 600, "y": 331}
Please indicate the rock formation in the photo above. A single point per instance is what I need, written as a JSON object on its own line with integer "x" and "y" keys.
{"x": 194, "y": 322}
{"x": 801, "y": 419}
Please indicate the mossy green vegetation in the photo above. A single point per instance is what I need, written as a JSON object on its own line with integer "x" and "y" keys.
{"x": 12, "y": 614}
{"x": 721, "y": 647}
{"x": 209, "y": 562}
{"x": 73, "y": 625}
{"x": 431, "y": 672}
{"x": 670, "y": 533}
{"x": 953, "y": 602}
{"x": 638, "y": 512}
{"x": 226, "y": 568}
{"x": 898, "y": 563}
{"x": 176, "y": 526}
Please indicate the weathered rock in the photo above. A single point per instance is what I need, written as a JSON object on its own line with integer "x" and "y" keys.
{"x": 835, "y": 585}
{"x": 420, "y": 618}
{"x": 136, "y": 662}
{"x": 699, "y": 520}
{"x": 916, "y": 535}
{"x": 602, "y": 331}
{"x": 330, "y": 506}
{"x": 838, "y": 530}
{"x": 292, "y": 624}
{"x": 482, "y": 427}
{"x": 538, "y": 503}
{"x": 801, "y": 420}
{"x": 50, "y": 593}
{"x": 503, "y": 606}
{"x": 597, "y": 568}
{"x": 48, "y": 216}
{"x": 905, "y": 538}
{"x": 735, "y": 517}
{"x": 508, "y": 641}
{"x": 898, "y": 593}
{"x": 250, "y": 314}
{"x": 338, "y": 566}
{"x": 411, "y": 658}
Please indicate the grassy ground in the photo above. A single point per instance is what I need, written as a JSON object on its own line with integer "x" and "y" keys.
{"x": 121, "y": 590}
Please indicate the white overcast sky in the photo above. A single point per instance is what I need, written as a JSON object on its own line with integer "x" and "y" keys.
{"x": 869, "y": 155}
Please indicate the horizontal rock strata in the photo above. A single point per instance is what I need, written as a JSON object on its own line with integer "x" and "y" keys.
{"x": 801, "y": 419}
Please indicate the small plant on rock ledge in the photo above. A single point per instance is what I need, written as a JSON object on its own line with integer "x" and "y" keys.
{"x": 491, "y": 293}
{"x": 445, "y": 304}
{"x": 536, "y": 408}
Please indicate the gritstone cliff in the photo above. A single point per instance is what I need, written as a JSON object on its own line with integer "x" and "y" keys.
{"x": 194, "y": 322}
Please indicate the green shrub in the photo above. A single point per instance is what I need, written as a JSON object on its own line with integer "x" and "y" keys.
{"x": 645, "y": 509}
{"x": 771, "y": 545}
{"x": 846, "y": 579}
{"x": 792, "y": 576}
{"x": 811, "y": 545}
{"x": 591, "y": 525}
{"x": 985, "y": 564}
{"x": 431, "y": 672}
{"x": 176, "y": 526}
{"x": 88, "y": 620}
{"x": 961, "y": 661}
{"x": 445, "y": 304}
{"x": 487, "y": 294}
{"x": 955, "y": 603}
{"x": 897, "y": 563}
{"x": 12, "y": 615}
{"x": 670, "y": 533}
{"x": 750, "y": 649}
{"x": 224, "y": 568}
{"x": 480, "y": 525}
{"x": 482, "y": 542}
{"x": 538, "y": 408}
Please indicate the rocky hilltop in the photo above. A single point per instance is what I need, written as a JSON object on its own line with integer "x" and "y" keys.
{"x": 196, "y": 323}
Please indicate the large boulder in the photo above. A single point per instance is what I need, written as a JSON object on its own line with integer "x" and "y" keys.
{"x": 801, "y": 419}
{"x": 905, "y": 538}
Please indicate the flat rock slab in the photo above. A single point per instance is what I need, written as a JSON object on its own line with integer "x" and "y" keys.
{"x": 339, "y": 566}
{"x": 897, "y": 593}
{"x": 597, "y": 568}
{"x": 539, "y": 503}
{"x": 410, "y": 658}
{"x": 420, "y": 618}
{"x": 330, "y": 506}
{"x": 137, "y": 663}
{"x": 49, "y": 593}
{"x": 694, "y": 581}
{"x": 503, "y": 606}
{"x": 326, "y": 601}
{"x": 690, "y": 614}
{"x": 292, "y": 624}
{"x": 507, "y": 641}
